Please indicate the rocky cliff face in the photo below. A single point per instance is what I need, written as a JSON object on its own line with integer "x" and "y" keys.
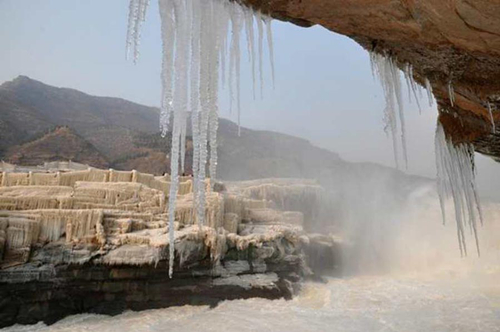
{"x": 451, "y": 43}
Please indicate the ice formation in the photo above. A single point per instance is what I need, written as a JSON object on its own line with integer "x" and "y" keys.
{"x": 493, "y": 126}
{"x": 118, "y": 218}
{"x": 195, "y": 53}
{"x": 428, "y": 87}
{"x": 137, "y": 15}
{"x": 412, "y": 85}
{"x": 456, "y": 179}
{"x": 385, "y": 69}
{"x": 269, "y": 35}
{"x": 451, "y": 94}
{"x": 455, "y": 163}
{"x": 387, "y": 72}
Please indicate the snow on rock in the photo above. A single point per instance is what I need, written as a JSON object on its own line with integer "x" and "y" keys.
{"x": 120, "y": 217}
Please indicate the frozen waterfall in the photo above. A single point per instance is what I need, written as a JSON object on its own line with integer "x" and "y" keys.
{"x": 456, "y": 179}
{"x": 196, "y": 49}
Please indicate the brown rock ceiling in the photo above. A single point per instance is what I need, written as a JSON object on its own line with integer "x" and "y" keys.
{"x": 446, "y": 41}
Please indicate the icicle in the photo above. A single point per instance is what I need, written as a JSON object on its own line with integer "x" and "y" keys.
{"x": 224, "y": 27}
{"x": 174, "y": 171}
{"x": 216, "y": 39}
{"x": 183, "y": 141}
{"x": 236, "y": 21}
{"x": 195, "y": 96}
{"x": 269, "y": 33}
{"x": 413, "y": 87}
{"x": 493, "y": 127}
{"x": 143, "y": 10}
{"x": 132, "y": 21}
{"x": 137, "y": 15}
{"x": 248, "y": 14}
{"x": 168, "y": 37}
{"x": 456, "y": 178}
{"x": 195, "y": 43}
{"x": 451, "y": 94}
{"x": 388, "y": 75}
{"x": 407, "y": 79}
{"x": 205, "y": 79}
{"x": 399, "y": 98}
{"x": 428, "y": 87}
{"x": 180, "y": 106}
{"x": 234, "y": 51}
{"x": 202, "y": 166}
{"x": 260, "y": 28}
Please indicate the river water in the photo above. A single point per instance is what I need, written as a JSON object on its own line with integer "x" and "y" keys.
{"x": 370, "y": 303}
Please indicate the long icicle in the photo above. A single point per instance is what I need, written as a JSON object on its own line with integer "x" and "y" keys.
{"x": 180, "y": 106}
{"x": 385, "y": 69}
{"x": 428, "y": 87}
{"x": 260, "y": 29}
{"x": 216, "y": 38}
{"x": 270, "y": 46}
{"x": 493, "y": 126}
{"x": 456, "y": 179}
{"x": 451, "y": 94}
{"x": 236, "y": 21}
{"x": 205, "y": 34}
{"x": 248, "y": 14}
{"x": 195, "y": 39}
{"x": 168, "y": 36}
{"x": 195, "y": 98}
{"x": 132, "y": 18}
{"x": 137, "y": 15}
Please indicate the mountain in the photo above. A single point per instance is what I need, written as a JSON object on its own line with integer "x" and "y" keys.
{"x": 125, "y": 135}
{"x": 62, "y": 143}
{"x": 29, "y": 107}
{"x": 39, "y": 122}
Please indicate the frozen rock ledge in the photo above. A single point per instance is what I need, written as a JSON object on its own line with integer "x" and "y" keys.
{"x": 92, "y": 240}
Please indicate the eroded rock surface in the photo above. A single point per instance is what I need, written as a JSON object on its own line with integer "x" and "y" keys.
{"x": 453, "y": 43}
{"x": 97, "y": 241}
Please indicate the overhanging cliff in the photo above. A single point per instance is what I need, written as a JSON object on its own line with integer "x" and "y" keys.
{"x": 451, "y": 43}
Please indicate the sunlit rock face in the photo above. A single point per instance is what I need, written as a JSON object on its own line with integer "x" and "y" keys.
{"x": 93, "y": 240}
{"x": 451, "y": 43}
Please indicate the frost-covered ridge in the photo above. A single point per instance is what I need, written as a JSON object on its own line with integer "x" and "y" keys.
{"x": 200, "y": 38}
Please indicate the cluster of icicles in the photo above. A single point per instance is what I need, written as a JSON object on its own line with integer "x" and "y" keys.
{"x": 198, "y": 51}
{"x": 387, "y": 72}
{"x": 201, "y": 51}
{"x": 454, "y": 162}
{"x": 456, "y": 179}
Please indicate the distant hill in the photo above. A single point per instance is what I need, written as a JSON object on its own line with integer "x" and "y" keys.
{"x": 126, "y": 135}
{"x": 39, "y": 122}
{"x": 62, "y": 143}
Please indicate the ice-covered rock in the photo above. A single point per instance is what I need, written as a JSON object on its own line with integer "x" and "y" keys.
{"x": 103, "y": 234}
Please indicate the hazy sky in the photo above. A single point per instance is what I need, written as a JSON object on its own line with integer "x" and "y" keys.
{"x": 324, "y": 89}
